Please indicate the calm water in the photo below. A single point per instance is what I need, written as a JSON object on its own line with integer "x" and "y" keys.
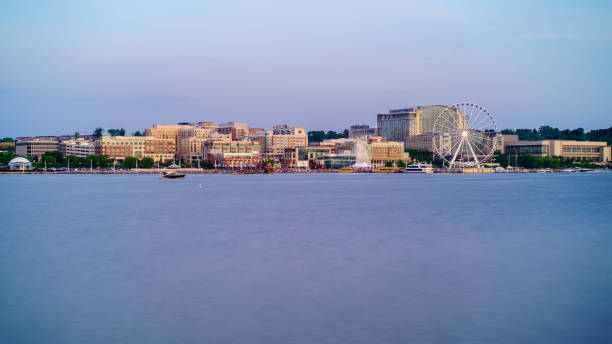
{"x": 523, "y": 258}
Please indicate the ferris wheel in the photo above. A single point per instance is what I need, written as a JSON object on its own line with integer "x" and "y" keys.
{"x": 466, "y": 135}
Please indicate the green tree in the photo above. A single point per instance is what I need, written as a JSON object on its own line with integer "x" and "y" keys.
{"x": 147, "y": 162}
{"x": 389, "y": 164}
{"x": 76, "y": 135}
{"x": 137, "y": 133}
{"x": 8, "y": 139}
{"x": 50, "y": 160}
{"x": 74, "y": 161}
{"x": 5, "y": 157}
{"x": 59, "y": 158}
{"x": 501, "y": 159}
{"x": 401, "y": 164}
{"x": 130, "y": 162}
{"x": 98, "y": 132}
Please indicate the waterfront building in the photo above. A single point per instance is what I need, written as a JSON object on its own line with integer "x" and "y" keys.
{"x": 303, "y": 157}
{"x": 336, "y": 161}
{"x": 36, "y": 147}
{"x": 229, "y": 146}
{"x": 190, "y": 141}
{"x": 383, "y": 152}
{"x": 159, "y": 149}
{"x": 399, "y": 124}
{"x": 237, "y": 130}
{"x": 77, "y": 147}
{"x": 597, "y": 151}
{"x": 166, "y": 131}
{"x": 360, "y": 130}
{"x": 425, "y": 142}
{"x": 273, "y": 142}
{"x": 20, "y": 163}
{"x": 120, "y": 147}
{"x": 232, "y": 153}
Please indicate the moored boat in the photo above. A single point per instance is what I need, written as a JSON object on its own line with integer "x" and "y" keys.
{"x": 419, "y": 168}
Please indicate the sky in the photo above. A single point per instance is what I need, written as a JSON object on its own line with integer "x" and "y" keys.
{"x": 69, "y": 66}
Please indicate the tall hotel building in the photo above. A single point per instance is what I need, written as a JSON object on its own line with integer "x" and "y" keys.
{"x": 397, "y": 125}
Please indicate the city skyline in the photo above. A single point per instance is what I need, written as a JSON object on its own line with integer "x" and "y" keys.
{"x": 73, "y": 66}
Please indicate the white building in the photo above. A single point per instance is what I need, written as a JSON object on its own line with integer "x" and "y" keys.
{"x": 78, "y": 147}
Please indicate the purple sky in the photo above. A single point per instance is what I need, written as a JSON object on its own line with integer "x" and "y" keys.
{"x": 71, "y": 66}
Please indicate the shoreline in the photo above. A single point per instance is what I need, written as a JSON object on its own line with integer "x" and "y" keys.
{"x": 284, "y": 171}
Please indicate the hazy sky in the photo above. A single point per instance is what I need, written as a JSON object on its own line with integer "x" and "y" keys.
{"x": 70, "y": 66}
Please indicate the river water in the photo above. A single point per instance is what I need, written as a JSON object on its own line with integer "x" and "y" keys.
{"x": 306, "y": 258}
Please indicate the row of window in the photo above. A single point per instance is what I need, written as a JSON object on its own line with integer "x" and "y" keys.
{"x": 581, "y": 150}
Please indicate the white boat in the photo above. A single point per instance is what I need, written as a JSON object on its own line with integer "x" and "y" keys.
{"x": 419, "y": 168}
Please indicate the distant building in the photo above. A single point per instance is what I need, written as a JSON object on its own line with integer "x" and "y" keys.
{"x": 77, "y": 147}
{"x": 7, "y": 144}
{"x": 190, "y": 141}
{"x": 120, "y": 147}
{"x": 425, "y": 142}
{"x": 383, "y": 152}
{"x": 399, "y": 124}
{"x": 303, "y": 157}
{"x": 36, "y": 147}
{"x": 237, "y": 130}
{"x": 361, "y": 130}
{"x": 230, "y": 153}
{"x": 597, "y": 151}
{"x": 273, "y": 142}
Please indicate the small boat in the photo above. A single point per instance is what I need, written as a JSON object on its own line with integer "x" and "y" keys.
{"x": 419, "y": 168}
{"x": 385, "y": 170}
{"x": 172, "y": 175}
{"x": 346, "y": 170}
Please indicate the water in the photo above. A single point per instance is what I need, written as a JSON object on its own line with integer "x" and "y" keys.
{"x": 330, "y": 258}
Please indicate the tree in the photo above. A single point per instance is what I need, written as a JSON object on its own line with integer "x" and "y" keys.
{"x": 73, "y": 161}
{"x": 500, "y": 158}
{"x": 59, "y": 158}
{"x": 147, "y": 162}
{"x": 113, "y": 132}
{"x": 50, "y": 160}
{"x": 389, "y": 164}
{"x": 76, "y": 135}
{"x": 5, "y": 157}
{"x": 401, "y": 164}
{"x": 98, "y": 132}
{"x": 130, "y": 162}
{"x": 8, "y": 139}
{"x": 137, "y": 133}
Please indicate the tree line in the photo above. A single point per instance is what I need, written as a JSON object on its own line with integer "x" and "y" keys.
{"x": 113, "y": 132}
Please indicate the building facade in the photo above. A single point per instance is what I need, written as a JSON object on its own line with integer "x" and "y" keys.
{"x": 399, "y": 124}
{"x": 120, "y": 147}
{"x": 36, "y": 147}
{"x": 273, "y": 142}
{"x": 78, "y": 147}
{"x": 383, "y": 152}
{"x": 361, "y": 130}
{"x": 425, "y": 142}
{"x": 596, "y": 151}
